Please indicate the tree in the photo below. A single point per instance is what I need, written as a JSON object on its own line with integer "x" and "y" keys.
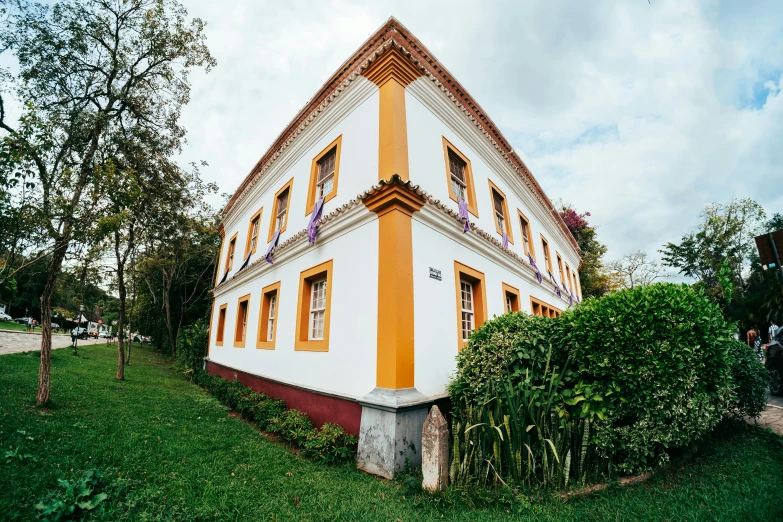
{"x": 636, "y": 269}
{"x": 595, "y": 281}
{"x": 722, "y": 244}
{"x": 87, "y": 70}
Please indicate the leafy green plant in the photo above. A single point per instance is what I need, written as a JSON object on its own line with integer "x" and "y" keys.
{"x": 192, "y": 344}
{"x": 267, "y": 409}
{"x": 15, "y": 455}
{"x": 293, "y": 426}
{"x": 657, "y": 356}
{"x": 330, "y": 445}
{"x": 74, "y": 500}
{"x": 749, "y": 381}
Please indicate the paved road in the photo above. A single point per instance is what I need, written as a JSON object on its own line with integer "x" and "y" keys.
{"x": 772, "y": 417}
{"x": 12, "y": 342}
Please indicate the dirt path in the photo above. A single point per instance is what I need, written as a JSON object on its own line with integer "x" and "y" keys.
{"x": 13, "y": 342}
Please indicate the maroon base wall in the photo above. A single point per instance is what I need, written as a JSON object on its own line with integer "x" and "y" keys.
{"x": 320, "y": 408}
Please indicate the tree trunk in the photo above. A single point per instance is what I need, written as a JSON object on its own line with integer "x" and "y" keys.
{"x": 52, "y": 271}
{"x": 121, "y": 323}
{"x": 132, "y": 307}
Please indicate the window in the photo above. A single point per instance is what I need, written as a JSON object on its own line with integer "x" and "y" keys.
{"x": 568, "y": 279}
{"x": 471, "y": 301}
{"x": 543, "y": 309}
{"x": 221, "y": 326}
{"x": 459, "y": 176}
{"x": 500, "y": 210}
{"x": 560, "y": 267}
{"x": 324, "y": 175}
{"x": 253, "y": 232}
{"x": 466, "y": 291}
{"x": 267, "y": 318}
{"x": 240, "y": 332}
{"x": 510, "y": 298}
{"x": 280, "y": 212}
{"x": 524, "y": 225}
{"x": 232, "y": 246}
{"x": 576, "y": 285}
{"x": 313, "y": 309}
{"x": 547, "y": 259}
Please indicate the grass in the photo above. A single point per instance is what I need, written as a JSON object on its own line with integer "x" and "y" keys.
{"x": 12, "y": 325}
{"x": 182, "y": 456}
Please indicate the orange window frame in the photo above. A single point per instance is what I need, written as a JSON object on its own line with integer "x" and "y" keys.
{"x": 470, "y": 188}
{"x": 524, "y": 226}
{"x": 243, "y": 303}
{"x": 547, "y": 253}
{"x": 256, "y": 216}
{"x": 510, "y": 290}
{"x": 560, "y": 266}
{"x": 336, "y": 145}
{"x": 273, "y": 218}
{"x": 263, "y": 316}
{"x": 506, "y": 215}
{"x": 306, "y": 279}
{"x": 221, "y": 326}
{"x": 543, "y": 309}
{"x": 568, "y": 277}
{"x": 477, "y": 279}
{"x": 232, "y": 245}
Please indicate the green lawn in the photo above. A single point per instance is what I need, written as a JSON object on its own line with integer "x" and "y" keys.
{"x": 185, "y": 458}
{"x": 12, "y": 325}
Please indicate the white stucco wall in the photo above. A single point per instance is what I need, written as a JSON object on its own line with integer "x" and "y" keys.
{"x": 348, "y": 368}
{"x": 354, "y": 116}
{"x": 435, "y": 308}
{"x": 431, "y": 117}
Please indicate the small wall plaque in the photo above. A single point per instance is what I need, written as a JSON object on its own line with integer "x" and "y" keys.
{"x": 435, "y": 274}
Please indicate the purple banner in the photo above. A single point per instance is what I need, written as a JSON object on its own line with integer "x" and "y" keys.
{"x": 463, "y": 213}
{"x": 538, "y": 272}
{"x": 312, "y": 226}
{"x": 272, "y": 245}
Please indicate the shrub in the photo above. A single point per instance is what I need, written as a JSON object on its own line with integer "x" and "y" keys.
{"x": 267, "y": 409}
{"x": 658, "y": 357}
{"x": 510, "y": 344}
{"x": 749, "y": 381}
{"x": 330, "y": 445}
{"x": 293, "y": 426}
{"x": 192, "y": 345}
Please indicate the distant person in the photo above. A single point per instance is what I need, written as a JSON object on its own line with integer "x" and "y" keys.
{"x": 29, "y": 324}
{"x": 73, "y": 337}
{"x": 757, "y": 346}
{"x": 773, "y": 329}
{"x": 752, "y": 337}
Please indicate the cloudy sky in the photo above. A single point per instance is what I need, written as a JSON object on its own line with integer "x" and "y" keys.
{"x": 640, "y": 113}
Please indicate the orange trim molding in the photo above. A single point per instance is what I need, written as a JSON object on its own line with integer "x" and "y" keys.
{"x": 306, "y": 280}
{"x": 255, "y": 216}
{"x": 221, "y": 326}
{"x": 273, "y": 218}
{"x": 395, "y": 205}
{"x": 263, "y": 316}
{"x": 510, "y": 290}
{"x": 506, "y": 214}
{"x": 336, "y": 145}
{"x": 472, "y": 203}
{"x": 479, "y": 298}
{"x": 240, "y": 329}
{"x": 540, "y": 308}
{"x": 392, "y": 65}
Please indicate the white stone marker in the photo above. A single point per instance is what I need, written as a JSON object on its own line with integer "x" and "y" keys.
{"x": 435, "y": 451}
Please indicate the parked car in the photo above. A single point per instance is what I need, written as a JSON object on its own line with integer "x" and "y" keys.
{"x": 55, "y": 327}
{"x": 105, "y": 335}
{"x": 774, "y": 363}
{"x": 22, "y": 320}
{"x": 146, "y": 339}
{"x": 92, "y": 333}
{"x": 5, "y": 317}
{"x": 79, "y": 332}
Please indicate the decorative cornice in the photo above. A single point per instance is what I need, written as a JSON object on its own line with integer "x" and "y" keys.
{"x": 391, "y": 65}
{"x": 394, "y": 194}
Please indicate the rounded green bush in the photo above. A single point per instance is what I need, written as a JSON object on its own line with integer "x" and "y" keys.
{"x": 507, "y": 345}
{"x": 659, "y": 358}
{"x": 749, "y": 381}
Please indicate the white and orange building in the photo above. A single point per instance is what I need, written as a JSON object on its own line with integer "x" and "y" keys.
{"x": 362, "y": 327}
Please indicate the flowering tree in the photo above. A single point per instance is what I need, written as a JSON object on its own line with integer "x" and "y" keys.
{"x": 594, "y": 278}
